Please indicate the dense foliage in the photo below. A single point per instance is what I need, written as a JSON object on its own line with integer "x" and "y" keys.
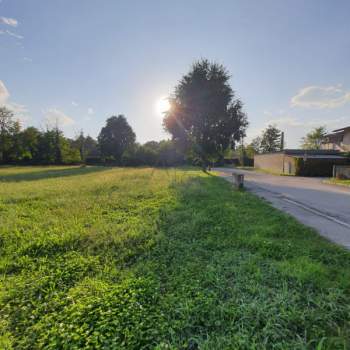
{"x": 115, "y": 146}
{"x": 314, "y": 139}
{"x": 32, "y": 146}
{"x": 163, "y": 153}
{"x": 205, "y": 118}
{"x": 116, "y": 258}
{"x": 115, "y": 138}
{"x": 271, "y": 140}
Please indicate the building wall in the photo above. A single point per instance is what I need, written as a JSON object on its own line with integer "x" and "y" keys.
{"x": 346, "y": 141}
{"x": 296, "y": 165}
{"x": 343, "y": 145}
{"x": 289, "y": 165}
{"x": 331, "y": 146}
{"x": 341, "y": 171}
{"x": 270, "y": 161}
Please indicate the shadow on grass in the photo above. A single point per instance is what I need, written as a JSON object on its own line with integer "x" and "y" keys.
{"x": 233, "y": 270}
{"x": 51, "y": 173}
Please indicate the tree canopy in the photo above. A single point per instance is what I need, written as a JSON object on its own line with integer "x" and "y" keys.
{"x": 50, "y": 146}
{"x": 271, "y": 140}
{"x": 115, "y": 138}
{"x": 204, "y": 117}
{"x": 313, "y": 139}
{"x": 7, "y": 129}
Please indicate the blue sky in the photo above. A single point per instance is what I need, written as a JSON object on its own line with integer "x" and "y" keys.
{"x": 82, "y": 61}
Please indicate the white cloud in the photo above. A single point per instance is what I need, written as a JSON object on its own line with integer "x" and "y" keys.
{"x": 4, "y": 94}
{"x": 19, "y": 110}
{"x": 8, "y": 32}
{"x": 17, "y": 36}
{"x": 75, "y": 104}
{"x": 321, "y": 97}
{"x": 286, "y": 121}
{"x": 90, "y": 111}
{"x": 9, "y": 21}
{"x": 290, "y": 122}
{"x": 54, "y": 116}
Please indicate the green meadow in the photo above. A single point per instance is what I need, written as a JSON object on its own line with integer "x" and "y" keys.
{"x": 144, "y": 258}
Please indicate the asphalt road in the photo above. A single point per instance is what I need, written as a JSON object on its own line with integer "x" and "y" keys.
{"x": 322, "y": 206}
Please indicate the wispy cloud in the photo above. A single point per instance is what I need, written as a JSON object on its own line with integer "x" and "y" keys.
{"x": 75, "y": 104}
{"x": 27, "y": 59}
{"x": 90, "y": 111}
{"x": 17, "y": 36}
{"x": 54, "y": 116}
{"x": 321, "y": 97}
{"x": 287, "y": 121}
{"x": 290, "y": 122}
{"x": 19, "y": 110}
{"x": 9, "y": 21}
{"x": 8, "y": 32}
{"x": 4, "y": 94}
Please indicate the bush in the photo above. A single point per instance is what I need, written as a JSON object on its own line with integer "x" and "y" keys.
{"x": 163, "y": 153}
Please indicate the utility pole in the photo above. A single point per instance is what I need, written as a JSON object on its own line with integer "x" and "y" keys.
{"x": 282, "y": 140}
{"x": 242, "y": 150}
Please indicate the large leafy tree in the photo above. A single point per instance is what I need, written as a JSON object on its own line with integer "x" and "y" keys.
{"x": 86, "y": 145}
{"x": 313, "y": 140}
{"x": 271, "y": 140}
{"x": 115, "y": 138}
{"x": 54, "y": 148}
{"x": 205, "y": 118}
{"x": 15, "y": 152}
{"x": 256, "y": 144}
{"x": 30, "y": 142}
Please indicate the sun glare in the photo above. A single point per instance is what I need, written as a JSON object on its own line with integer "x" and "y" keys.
{"x": 162, "y": 106}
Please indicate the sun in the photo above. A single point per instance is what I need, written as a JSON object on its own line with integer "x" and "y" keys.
{"x": 162, "y": 106}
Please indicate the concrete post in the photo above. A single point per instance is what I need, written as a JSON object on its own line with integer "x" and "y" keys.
{"x": 238, "y": 180}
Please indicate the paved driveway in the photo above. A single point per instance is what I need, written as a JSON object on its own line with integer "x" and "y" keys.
{"x": 322, "y": 206}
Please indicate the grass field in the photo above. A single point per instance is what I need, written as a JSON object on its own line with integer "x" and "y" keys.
{"x": 115, "y": 258}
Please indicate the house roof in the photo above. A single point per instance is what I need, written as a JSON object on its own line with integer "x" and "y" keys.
{"x": 346, "y": 128}
{"x": 318, "y": 156}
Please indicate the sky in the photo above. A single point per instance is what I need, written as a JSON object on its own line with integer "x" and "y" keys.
{"x": 80, "y": 62}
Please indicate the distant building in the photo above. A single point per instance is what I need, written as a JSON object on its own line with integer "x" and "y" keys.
{"x": 338, "y": 140}
{"x": 300, "y": 162}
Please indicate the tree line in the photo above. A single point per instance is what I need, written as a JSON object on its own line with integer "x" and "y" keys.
{"x": 116, "y": 144}
{"x": 205, "y": 120}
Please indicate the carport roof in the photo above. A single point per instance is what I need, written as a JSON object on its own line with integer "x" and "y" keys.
{"x": 310, "y": 152}
{"x": 318, "y": 156}
{"x": 322, "y": 153}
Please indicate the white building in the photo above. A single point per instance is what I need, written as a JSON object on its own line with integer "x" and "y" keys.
{"x": 338, "y": 140}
